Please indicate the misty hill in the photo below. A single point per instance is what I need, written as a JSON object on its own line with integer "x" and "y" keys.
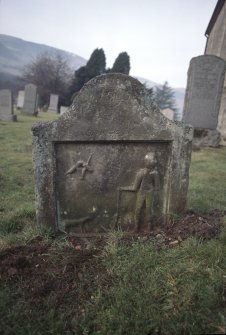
{"x": 179, "y": 92}
{"x": 15, "y": 53}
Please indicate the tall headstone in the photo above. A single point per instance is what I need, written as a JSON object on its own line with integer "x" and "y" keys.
{"x": 63, "y": 109}
{"x": 53, "y": 103}
{"x": 203, "y": 92}
{"x": 112, "y": 161}
{"x": 6, "y": 106}
{"x": 169, "y": 113}
{"x": 20, "y": 99}
{"x": 30, "y": 99}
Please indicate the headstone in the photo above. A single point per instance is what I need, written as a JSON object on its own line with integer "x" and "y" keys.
{"x": 30, "y": 100}
{"x": 20, "y": 99}
{"x": 203, "y": 92}
{"x": 53, "y": 103}
{"x": 169, "y": 113}
{"x": 112, "y": 161}
{"x": 6, "y": 106}
{"x": 63, "y": 109}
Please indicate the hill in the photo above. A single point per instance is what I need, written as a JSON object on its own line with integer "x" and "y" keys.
{"x": 15, "y": 53}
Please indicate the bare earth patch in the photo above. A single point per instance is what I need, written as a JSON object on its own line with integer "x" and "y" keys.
{"x": 35, "y": 260}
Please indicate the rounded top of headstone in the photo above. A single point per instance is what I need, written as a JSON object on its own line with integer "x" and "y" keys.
{"x": 111, "y": 95}
{"x": 208, "y": 58}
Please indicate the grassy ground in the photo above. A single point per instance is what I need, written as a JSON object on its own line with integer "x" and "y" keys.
{"x": 139, "y": 286}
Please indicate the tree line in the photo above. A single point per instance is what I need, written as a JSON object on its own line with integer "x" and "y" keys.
{"x": 52, "y": 74}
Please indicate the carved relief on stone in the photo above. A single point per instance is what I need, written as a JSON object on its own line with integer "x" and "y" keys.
{"x": 83, "y": 166}
{"x": 145, "y": 184}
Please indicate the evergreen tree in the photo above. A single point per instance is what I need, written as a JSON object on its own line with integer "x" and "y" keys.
{"x": 164, "y": 97}
{"x": 121, "y": 64}
{"x": 150, "y": 90}
{"x": 94, "y": 67}
{"x": 96, "y": 64}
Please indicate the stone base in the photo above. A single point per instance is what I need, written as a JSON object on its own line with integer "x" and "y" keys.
{"x": 8, "y": 118}
{"x": 206, "y": 138}
{"x": 30, "y": 114}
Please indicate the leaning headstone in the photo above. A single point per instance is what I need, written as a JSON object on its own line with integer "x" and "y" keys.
{"x": 112, "y": 161}
{"x": 6, "y": 106}
{"x": 203, "y": 92}
{"x": 20, "y": 99}
{"x": 30, "y": 99}
{"x": 53, "y": 103}
{"x": 169, "y": 113}
{"x": 63, "y": 109}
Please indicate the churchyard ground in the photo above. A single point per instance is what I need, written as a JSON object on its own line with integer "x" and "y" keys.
{"x": 172, "y": 281}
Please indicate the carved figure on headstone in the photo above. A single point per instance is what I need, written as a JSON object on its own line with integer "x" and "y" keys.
{"x": 69, "y": 224}
{"x": 145, "y": 183}
{"x": 84, "y": 166}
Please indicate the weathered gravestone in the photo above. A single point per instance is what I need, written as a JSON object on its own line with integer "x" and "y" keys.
{"x": 20, "y": 99}
{"x": 63, "y": 109}
{"x": 169, "y": 113}
{"x": 6, "y": 106}
{"x": 113, "y": 160}
{"x": 30, "y": 99}
{"x": 203, "y": 92}
{"x": 53, "y": 103}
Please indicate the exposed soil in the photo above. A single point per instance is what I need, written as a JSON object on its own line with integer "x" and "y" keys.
{"x": 69, "y": 272}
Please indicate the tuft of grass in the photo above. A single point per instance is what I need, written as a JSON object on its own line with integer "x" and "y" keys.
{"x": 207, "y": 180}
{"x": 166, "y": 291}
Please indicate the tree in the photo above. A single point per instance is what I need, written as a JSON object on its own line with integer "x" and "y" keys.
{"x": 121, "y": 64}
{"x": 96, "y": 64}
{"x": 164, "y": 97}
{"x": 51, "y": 74}
{"x": 94, "y": 67}
{"x": 150, "y": 91}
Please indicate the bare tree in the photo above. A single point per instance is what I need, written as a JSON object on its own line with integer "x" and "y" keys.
{"x": 51, "y": 74}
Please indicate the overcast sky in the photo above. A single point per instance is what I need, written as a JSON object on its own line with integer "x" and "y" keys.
{"x": 160, "y": 36}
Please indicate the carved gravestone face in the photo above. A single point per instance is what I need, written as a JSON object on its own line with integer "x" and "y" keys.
{"x": 30, "y": 99}
{"x": 112, "y": 161}
{"x": 53, "y": 103}
{"x": 6, "y": 105}
{"x": 203, "y": 92}
{"x": 20, "y": 99}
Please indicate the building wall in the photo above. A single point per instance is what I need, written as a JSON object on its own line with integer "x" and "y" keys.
{"x": 216, "y": 45}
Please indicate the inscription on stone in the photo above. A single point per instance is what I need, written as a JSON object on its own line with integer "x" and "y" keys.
{"x": 30, "y": 99}
{"x": 6, "y": 106}
{"x": 20, "y": 99}
{"x": 53, "y": 103}
{"x": 203, "y": 93}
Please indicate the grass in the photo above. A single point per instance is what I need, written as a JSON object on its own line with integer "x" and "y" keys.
{"x": 17, "y": 201}
{"x": 139, "y": 287}
{"x": 207, "y": 180}
{"x": 149, "y": 293}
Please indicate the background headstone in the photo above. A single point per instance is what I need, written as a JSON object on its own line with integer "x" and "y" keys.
{"x": 63, "y": 109}
{"x": 6, "y": 106}
{"x": 88, "y": 162}
{"x": 169, "y": 113}
{"x": 53, "y": 103}
{"x": 203, "y": 92}
{"x": 30, "y": 99}
{"x": 20, "y": 99}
